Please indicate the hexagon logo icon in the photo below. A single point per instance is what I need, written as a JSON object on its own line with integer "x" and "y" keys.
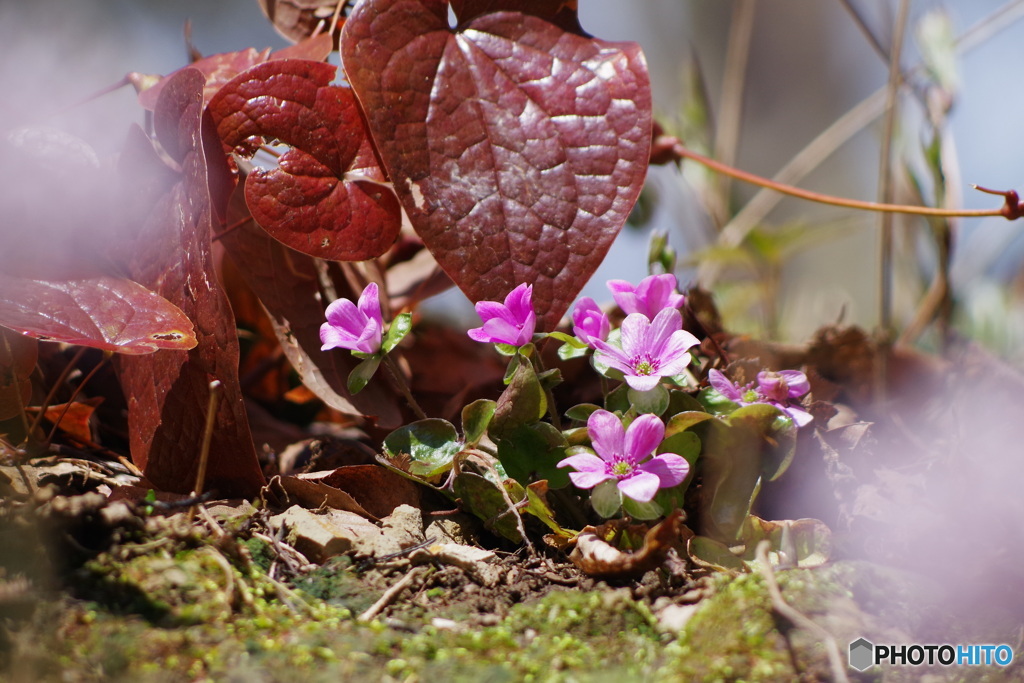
{"x": 862, "y": 654}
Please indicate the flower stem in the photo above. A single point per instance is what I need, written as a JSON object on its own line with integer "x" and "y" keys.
{"x": 538, "y": 367}
{"x": 399, "y": 382}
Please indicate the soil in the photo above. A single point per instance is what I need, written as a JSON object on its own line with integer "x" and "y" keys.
{"x": 96, "y": 589}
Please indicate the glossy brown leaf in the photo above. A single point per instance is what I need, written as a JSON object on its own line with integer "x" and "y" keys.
{"x": 286, "y": 283}
{"x": 221, "y": 68}
{"x": 108, "y": 313}
{"x": 517, "y": 147}
{"x": 326, "y": 198}
{"x": 168, "y": 392}
{"x": 218, "y": 70}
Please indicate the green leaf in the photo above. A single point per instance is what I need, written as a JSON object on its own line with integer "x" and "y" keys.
{"x": 654, "y": 401}
{"x": 538, "y": 507}
{"x": 681, "y": 422}
{"x": 549, "y": 379}
{"x": 568, "y": 352}
{"x": 523, "y": 402}
{"x": 638, "y": 510}
{"x": 399, "y": 328}
{"x": 731, "y": 471}
{"x": 617, "y": 399}
{"x": 711, "y": 554}
{"x": 484, "y": 499}
{"x": 568, "y": 339}
{"x": 532, "y": 452}
{"x": 362, "y": 373}
{"x": 582, "y": 411}
{"x": 681, "y": 401}
{"x": 715, "y": 403}
{"x": 606, "y": 498}
{"x": 475, "y": 419}
{"x": 507, "y": 349}
{"x": 431, "y": 444}
{"x": 778, "y": 434}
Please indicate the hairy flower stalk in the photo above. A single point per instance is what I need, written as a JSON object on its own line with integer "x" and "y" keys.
{"x": 651, "y": 349}
{"x": 624, "y": 455}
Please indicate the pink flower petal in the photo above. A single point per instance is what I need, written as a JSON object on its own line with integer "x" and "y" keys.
{"x": 369, "y": 303}
{"x": 643, "y": 435}
{"x": 642, "y": 382}
{"x": 664, "y": 325}
{"x": 641, "y": 487}
{"x": 720, "y": 383}
{"x": 634, "y": 334}
{"x": 671, "y": 469}
{"x": 606, "y": 434}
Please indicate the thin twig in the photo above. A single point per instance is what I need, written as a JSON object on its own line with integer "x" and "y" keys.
{"x": 832, "y": 200}
{"x": 391, "y": 594}
{"x": 730, "y": 116}
{"x": 795, "y": 617}
{"x": 56, "y": 385}
{"x": 885, "y": 195}
{"x": 838, "y": 134}
{"x": 216, "y": 389}
{"x": 74, "y": 395}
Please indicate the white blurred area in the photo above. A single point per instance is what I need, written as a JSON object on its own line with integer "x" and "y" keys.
{"x": 808, "y": 65}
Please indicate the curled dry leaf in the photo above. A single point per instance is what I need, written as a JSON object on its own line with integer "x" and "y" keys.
{"x": 598, "y": 558}
{"x": 327, "y": 197}
{"x": 517, "y": 148}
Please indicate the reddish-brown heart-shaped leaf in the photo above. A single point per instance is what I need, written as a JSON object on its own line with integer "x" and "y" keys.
{"x": 109, "y": 313}
{"x": 326, "y": 198}
{"x": 168, "y": 392}
{"x": 518, "y": 148}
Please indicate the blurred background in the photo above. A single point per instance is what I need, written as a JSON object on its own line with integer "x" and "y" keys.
{"x": 757, "y": 82}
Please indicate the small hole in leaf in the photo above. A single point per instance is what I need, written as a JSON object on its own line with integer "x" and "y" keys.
{"x": 325, "y": 242}
{"x": 169, "y": 336}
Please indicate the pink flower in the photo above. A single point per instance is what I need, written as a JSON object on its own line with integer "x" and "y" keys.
{"x": 589, "y": 321}
{"x": 357, "y": 328}
{"x": 650, "y": 349}
{"x": 623, "y": 456}
{"x": 654, "y": 293}
{"x": 781, "y": 389}
{"x": 510, "y": 323}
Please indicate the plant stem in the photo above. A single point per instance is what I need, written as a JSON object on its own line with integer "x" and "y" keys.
{"x": 753, "y": 179}
{"x": 538, "y": 367}
{"x": 399, "y": 381}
